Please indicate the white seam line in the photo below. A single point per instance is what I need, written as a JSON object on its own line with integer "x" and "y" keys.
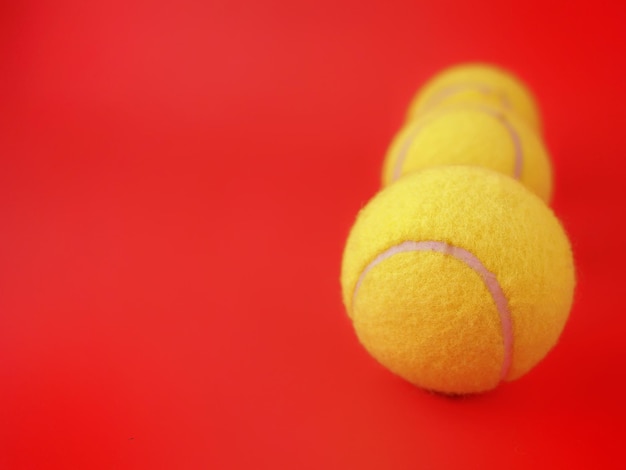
{"x": 489, "y": 279}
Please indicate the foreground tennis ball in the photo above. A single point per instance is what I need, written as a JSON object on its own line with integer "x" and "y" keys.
{"x": 471, "y": 135}
{"x": 477, "y": 83}
{"x": 457, "y": 278}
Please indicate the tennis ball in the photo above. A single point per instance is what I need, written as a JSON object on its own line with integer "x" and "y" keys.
{"x": 471, "y": 135}
{"x": 457, "y": 278}
{"x": 477, "y": 83}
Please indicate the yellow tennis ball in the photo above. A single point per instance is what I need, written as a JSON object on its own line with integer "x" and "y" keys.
{"x": 471, "y": 135}
{"x": 477, "y": 83}
{"x": 457, "y": 278}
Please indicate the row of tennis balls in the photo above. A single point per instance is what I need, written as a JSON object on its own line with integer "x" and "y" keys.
{"x": 473, "y": 115}
{"x": 459, "y": 277}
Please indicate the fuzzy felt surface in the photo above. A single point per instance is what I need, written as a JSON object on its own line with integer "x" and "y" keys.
{"x": 471, "y": 134}
{"x": 477, "y": 83}
{"x": 432, "y": 317}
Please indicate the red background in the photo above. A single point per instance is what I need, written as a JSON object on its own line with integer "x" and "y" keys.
{"x": 177, "y": 181}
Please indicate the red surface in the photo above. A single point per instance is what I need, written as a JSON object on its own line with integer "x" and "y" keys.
{"x": 177, "y": 181}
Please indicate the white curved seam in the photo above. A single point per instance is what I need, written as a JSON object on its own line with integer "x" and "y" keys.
{"x": 489, "y": 279}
